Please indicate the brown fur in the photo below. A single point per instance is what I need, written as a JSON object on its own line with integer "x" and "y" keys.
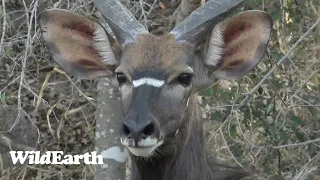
{"x": 154, "y": 52}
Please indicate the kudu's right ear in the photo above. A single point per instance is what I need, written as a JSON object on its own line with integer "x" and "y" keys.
{"x": 77, "y": 44}
{"x": 238, "y": 44}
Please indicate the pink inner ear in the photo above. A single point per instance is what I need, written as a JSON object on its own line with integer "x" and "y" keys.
{"x": 230, "y": 51}
{"x": 89, "y": 64}
{"x": 92, "y": 52}
{"x": 232, "y": 33}
{"x": 233, "y": 64}
{"x": 245, "y": 38}
{"x": 80, "y": 29}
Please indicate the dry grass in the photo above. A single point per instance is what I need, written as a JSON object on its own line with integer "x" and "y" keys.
{"x": 269, "y": 119}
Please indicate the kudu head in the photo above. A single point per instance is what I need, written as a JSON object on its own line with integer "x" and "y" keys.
{"x": 157, "y": 75}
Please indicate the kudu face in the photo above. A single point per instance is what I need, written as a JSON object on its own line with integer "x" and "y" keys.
{"x": 157, "y": 75}
{"x": 155, "y": 80}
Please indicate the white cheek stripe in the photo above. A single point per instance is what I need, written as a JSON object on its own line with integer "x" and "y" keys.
{"x": 149, "y": 81}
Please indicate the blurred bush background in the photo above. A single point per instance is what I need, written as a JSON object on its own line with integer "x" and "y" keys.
{"x": 269, "y": 119}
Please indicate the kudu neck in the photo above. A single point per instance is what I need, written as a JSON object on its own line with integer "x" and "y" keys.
{"x": 184, "y": 159}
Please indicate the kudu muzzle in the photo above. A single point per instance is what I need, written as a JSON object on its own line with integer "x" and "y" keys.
{"x": 140, "y": 122}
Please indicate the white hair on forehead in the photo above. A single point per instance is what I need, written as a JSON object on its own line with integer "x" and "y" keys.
{"x": 148, "y": 81}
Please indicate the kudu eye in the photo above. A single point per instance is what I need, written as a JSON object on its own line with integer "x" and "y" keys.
{"x": 185, "y": 79}
{"x": 121, "y": 78}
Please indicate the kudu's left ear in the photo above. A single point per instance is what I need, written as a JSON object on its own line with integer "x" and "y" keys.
{"x": 238, "y": 44}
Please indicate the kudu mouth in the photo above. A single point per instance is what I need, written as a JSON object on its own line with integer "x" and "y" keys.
{"x": 148, "y": 145}
{"x": 144, "y": 147}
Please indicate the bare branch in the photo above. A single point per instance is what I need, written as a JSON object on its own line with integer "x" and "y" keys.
{"x": 4, "y": 25}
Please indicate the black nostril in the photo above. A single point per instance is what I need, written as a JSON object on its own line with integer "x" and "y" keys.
{"x": 138, "y": 130}
{"x": 149, "y": 129}
{"x": 126, "y": 130}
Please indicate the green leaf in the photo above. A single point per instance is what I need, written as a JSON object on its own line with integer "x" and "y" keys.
{"x": 272, "y": 130}
{"x": 277, "y": 177}
{"x": 283, "y": 135}
{"x": 254, "y": 3}
{"x": 300, "y": 136}
{"x": 216, "y": 116}
{"x": 297, "y": 121}
{"x": 1, "y": 11}
{"x": 206, "y": 92}
{"x": 270, "y": 108}
{"x": 3, "y": 98}
{"x": 276, "y": 16}
{"x": 233, "y": 131}
{"x": 276, "y": 55}
{"x": 226, "y": 95}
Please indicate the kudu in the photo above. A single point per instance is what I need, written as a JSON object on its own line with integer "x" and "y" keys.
{"x": 159, "y": 76}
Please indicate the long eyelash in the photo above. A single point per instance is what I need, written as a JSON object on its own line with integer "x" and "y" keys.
{"x": 103, "y": 46}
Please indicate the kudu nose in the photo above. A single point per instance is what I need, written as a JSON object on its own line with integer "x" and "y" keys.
{"x": 138, "y": 129}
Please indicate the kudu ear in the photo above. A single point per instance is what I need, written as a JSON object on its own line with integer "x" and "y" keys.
{"x": 77, "y": 44}
{"x": 238, "y": 44}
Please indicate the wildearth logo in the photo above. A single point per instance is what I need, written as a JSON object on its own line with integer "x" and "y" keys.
{"x": 54, "y": 157}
